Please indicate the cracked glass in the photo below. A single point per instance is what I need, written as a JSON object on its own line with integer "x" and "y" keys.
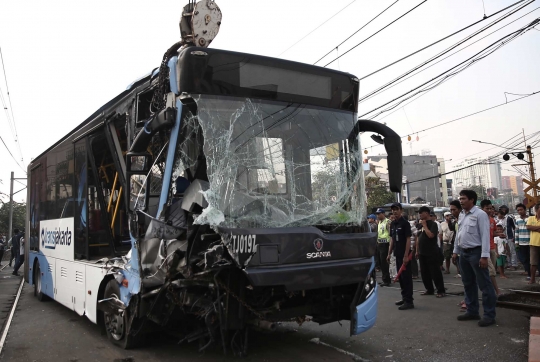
{"x": 272, "y": 164}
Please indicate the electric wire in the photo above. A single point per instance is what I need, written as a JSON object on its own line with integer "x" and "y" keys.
{"x": 377, "y": 32}
{"x": 447, "y": 50}
{"x": 350, "y": 36}
{"x": 308, "y": 34}
{"x": 11, "y": 107}
{"x": 8, "y": 116}
{"x": 448, "y": 56}
{"x": 466, "y": 157}
{"x": 466, "y": 116}
{"x": 446, "y": 75}
{"x": 408, "y": 74}
{"x": 438, "y": 41}
{"x": 485, "y": 161}
{"x": 11, "y": 154}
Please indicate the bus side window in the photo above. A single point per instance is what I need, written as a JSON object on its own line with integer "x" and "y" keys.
{"x": 64, "y": 181}
{"x": 37, "y": 197}
{"x": 100, "y": 178}
{"x": 80, "y": 200}
{"x": 49, "y": 210}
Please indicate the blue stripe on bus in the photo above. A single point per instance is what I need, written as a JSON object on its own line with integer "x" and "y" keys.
{"x": 172, "y": 75}
{"x": 170, "y": 159}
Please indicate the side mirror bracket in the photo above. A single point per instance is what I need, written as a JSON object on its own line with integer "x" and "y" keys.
{"x": 392, "y": 144}
{"x": 138, "y": 165}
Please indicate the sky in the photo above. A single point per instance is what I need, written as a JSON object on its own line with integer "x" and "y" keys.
{"x": 65, "y": 59}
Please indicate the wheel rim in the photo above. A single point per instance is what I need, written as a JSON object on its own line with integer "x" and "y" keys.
{"x": 115, "y": 322}
{"x": 38, "y": 282}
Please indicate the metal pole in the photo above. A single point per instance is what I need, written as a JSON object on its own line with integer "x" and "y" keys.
{"x": 10, "y": 230}
{"x": 533, "y": 176}
{"x": 434, "y": 185}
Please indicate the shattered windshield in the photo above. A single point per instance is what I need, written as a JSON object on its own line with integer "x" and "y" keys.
{"x": 272, "y": 164}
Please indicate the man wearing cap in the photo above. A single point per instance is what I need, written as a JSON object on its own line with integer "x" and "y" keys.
{"x": 400, "y": 244}
{"x": 383, "y": 241}
{"x": 447, "y": 228}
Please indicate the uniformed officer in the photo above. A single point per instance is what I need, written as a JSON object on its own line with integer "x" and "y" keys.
{"x": 400, "y": 244}
{"x": 383, "y": 242}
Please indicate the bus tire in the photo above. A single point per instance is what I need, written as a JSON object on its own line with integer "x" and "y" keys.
{"x": 117, "y": 325}
{"x": 38, "y": 291}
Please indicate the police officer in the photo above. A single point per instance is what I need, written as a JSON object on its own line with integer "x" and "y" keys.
{"x": 400, "y": 244}
{"x": 383, "y": 241}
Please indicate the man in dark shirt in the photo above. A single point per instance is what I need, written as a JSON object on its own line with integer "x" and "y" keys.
{"x": 400, "y": 244}
{"x": 15, "y": 247}
{"x": 428, "y": 254}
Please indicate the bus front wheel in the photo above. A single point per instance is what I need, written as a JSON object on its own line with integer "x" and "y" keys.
{"x": 38, "y": 291}
{"x": 117, "y": 323}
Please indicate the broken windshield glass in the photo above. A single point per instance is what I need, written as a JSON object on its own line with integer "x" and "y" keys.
{"x": 272, "y": 164}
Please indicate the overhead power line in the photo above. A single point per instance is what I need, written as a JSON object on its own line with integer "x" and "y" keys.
{"x": 444, "y": 76}
{"x": 350, "y": 36}
{"x": 10, "y": 107}
{"x": 388, "y": 85}
{"x": 485, "y": 161}
{"x": 438, "y": 41}
{"x": 440, "y": 60}
{"x": 377, "y": 32}
{"x": 466, "y": 116}
{"x": 308, "y": 34}
{"x": 11, "y": 154}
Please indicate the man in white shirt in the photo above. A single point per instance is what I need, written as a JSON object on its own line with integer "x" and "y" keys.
{"x": 472, "y": 244}
{"x": 447, "y": 229}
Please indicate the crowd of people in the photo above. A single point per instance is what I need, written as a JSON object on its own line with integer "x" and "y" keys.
{"x": 481, "y": 242}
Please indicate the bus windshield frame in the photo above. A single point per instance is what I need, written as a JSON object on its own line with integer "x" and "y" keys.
{"x": 274, "y": 164}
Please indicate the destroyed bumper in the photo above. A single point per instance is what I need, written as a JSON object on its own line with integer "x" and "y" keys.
{"x": 305, "y": 276}
{"x": 366, "y": 313}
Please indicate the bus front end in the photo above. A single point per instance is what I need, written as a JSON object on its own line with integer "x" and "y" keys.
{"x": 261, "y": 216}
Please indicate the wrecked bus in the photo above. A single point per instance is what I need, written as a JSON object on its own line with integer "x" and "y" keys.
{"x": 221, "y": 193}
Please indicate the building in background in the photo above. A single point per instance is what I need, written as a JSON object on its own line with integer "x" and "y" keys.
{"x": 422, "y": 172}
{"x": 442, "y": 181}
{"x": 449, "y": 190}
{"x": 514, "y": 183}
{"x": 478, "y": 172}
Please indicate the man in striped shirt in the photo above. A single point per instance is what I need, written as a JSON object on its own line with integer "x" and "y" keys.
{"x": 523, "y": 237}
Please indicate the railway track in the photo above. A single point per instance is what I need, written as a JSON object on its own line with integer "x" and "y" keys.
{"x": 524, "y": 300}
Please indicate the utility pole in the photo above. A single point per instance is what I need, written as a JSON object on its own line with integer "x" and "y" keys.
{"x": 10, "y": 230}
{"x": 533, "y": 198}
{"x": 11, "y": 193}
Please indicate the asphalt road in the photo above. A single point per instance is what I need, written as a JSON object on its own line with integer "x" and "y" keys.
{"x": 50, "y": 332}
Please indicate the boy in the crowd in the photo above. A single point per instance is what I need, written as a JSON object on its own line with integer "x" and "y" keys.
{"x": 502, "y": 248}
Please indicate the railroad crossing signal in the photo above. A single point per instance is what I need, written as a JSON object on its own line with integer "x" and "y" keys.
{"x": 532, "y": 191}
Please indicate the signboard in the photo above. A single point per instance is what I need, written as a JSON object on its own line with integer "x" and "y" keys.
{"x": 56, "y": 238}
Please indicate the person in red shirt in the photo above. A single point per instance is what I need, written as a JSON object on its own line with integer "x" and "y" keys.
{"x": 493, "y": 254}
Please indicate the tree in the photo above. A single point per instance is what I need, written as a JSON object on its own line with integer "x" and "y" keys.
{"x": 19, "y": 216}
{"x": 377, "y": 193}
